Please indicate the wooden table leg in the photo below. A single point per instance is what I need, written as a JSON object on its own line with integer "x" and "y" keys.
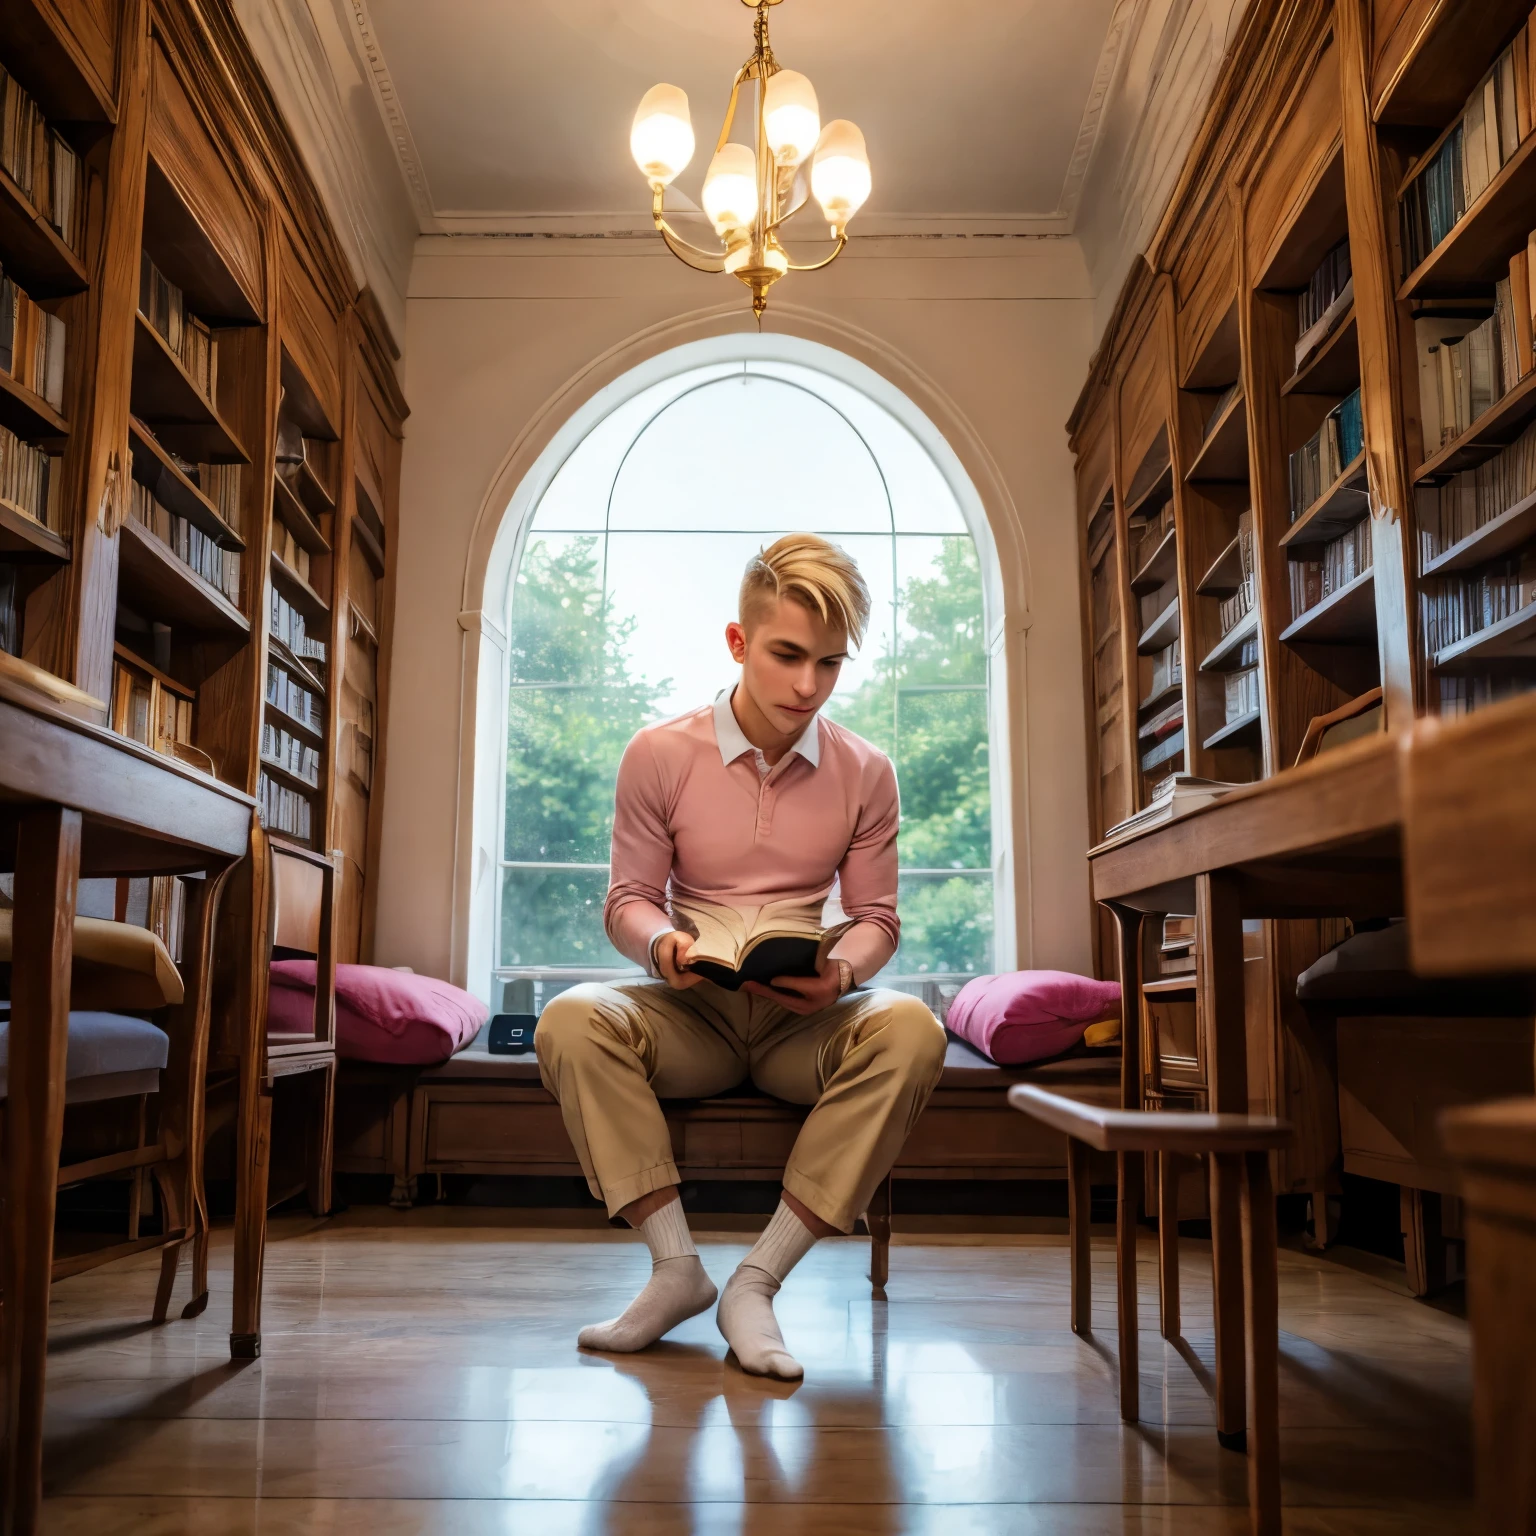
{"x": 1168, "y": 1170}
{"x": 1128, "y": 1166}
{"x": 47, "y": 879}
{"x": 879, "y": 1219}
{"x": 1079, "y": 1216}
{"x": 252, "y": 1159}
{"x": 1263, "y": 1345}
{"x": 1219, "y": 984}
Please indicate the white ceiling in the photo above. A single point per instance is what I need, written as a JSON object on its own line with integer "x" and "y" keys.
{"x": 512, "y": 115}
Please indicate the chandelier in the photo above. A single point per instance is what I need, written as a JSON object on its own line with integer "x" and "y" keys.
{"x": 750, "y": 191}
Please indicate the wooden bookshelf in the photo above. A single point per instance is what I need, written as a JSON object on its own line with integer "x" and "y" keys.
{"x": 1223, "y": 456}
{"x": 1336, "y": 511}
{"x": 1345, "y": 617}
{"x": 1333, "y": 368}
{"x": 1494, "y": 430}
{"x": 1512, "y": 529}
{"x": 1510, "y": 640}
{"x": 23, "y": 538}
{"x": 154, "y": 467}
{"x": 28, "y": 415}
{"x": 35, "y": 253}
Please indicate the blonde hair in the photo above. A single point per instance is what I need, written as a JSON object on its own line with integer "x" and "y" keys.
{"x": 816, "y": 574}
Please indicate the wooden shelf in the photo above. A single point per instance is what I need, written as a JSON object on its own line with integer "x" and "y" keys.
{"x": 1511, "y": 640}
{"x": 1319, "y": 222}
{"x": 32, "y": 251}
{"x": 361, "y": 621}
{"x": 164, "y": 397}
{"x": 1220, "y": 360}
{"x": 1155, "y": 497}
{"x": 1223, "y": 456}
{"x": 1167, "y": 986}
{"x": 312, "y": 491}
{"x": 1493, "y": 431}
{"x": 1345, "y": 617}
{"x": 301, "y": 402}
{"x": 1158, "y": 567}
{"x": 1226, "y": 573}
{"x": 1164, "y": 695}
{"x": 299, "y": 592}
{"x": 1336, "y": 511}
{"x": 1245, "y": 728}
{"x": 168, "y": 483}
{"x": 1449, "y": 56}
{"x": 1223, "y": 656}
{"x": 1161, "y": 632}
{"x": 1478, "y": 247}
{"x": 295, "y": 515}
{"x": 1164, "y": 752}
{"x": 28, "y": 415}
{"x": 293, "y": 725}
{"x": 157, "y": 585}
{"x": 373, "y": 551}
{"x": 277, "y": 771}
{"x": 24, "y": 540}
{"x": 50, "y": 69}
{"x": 190, "y": 257}
{"x": 1513, "y": 527}
{"x": 1334, "y": 367}
{"x": 301, "y": 669}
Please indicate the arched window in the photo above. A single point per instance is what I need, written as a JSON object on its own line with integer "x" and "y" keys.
{"x": 627, "y": 577}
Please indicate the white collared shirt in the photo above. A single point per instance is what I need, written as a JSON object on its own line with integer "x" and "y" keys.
{"x": 733, "y": 742}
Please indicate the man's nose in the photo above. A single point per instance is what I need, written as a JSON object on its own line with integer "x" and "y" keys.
{"x": 805, "y": 683}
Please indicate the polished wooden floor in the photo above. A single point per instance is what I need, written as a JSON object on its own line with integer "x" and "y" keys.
{"x": 420, "y": 1375}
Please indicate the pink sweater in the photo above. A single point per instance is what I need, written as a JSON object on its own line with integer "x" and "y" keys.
{"x": 687, "y": 821}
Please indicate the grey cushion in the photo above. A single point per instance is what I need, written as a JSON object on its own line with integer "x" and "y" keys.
{"x": 1369, "y": 974}
{"x": 101, "y": 1045}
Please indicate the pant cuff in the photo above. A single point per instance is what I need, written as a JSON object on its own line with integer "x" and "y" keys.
{"x": 624, "y": 1192}
{"x": 832, "y": 1209}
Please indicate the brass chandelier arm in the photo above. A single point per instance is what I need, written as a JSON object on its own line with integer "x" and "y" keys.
{"x": 826, "y": 261}
{"x": 691, "y": 255}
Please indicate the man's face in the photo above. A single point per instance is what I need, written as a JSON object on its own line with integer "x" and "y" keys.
{"x": 790, "y": 660}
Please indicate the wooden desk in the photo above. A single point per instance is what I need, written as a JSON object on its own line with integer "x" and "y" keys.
{"x": 75, "y": 799}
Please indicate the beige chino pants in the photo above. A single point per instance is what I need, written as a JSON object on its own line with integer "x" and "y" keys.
{"x": 868, "y": 1064}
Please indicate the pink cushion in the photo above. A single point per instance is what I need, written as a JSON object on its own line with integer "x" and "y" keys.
{"x": 381, "y": 1015}
{"x": 1029, "y": 1015}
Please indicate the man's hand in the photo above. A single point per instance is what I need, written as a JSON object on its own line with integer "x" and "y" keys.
{"x": 672, "y": 951}
{"x": 803, "y": 994}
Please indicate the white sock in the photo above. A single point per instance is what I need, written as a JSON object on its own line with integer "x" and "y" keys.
{"x": 745, "y": 1316}
{"x": 677, "y": 1290}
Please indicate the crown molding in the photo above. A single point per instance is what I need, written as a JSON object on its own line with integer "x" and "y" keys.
{"x": 628, "y": 225}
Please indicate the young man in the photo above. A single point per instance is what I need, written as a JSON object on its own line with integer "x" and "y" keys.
{"x": 750, "y": 800}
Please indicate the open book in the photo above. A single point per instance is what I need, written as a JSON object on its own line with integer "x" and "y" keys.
{"x": 782, "y": 938}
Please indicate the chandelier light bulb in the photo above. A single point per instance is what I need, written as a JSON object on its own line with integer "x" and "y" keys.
{"x": 730, "y": 189}
{"x": 791, "y": 116}
{"x": 661, "y": 139}
{"x": 840, "y": 172}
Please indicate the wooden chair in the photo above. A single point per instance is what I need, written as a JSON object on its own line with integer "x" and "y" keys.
{"x": 1239, "y": 1146}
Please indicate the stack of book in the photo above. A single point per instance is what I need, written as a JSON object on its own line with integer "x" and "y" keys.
{"x": 1456, "y": 509}
{"x": 30, "y": 482}
{"x": 1234, "y": 609}
{"x": 219, "y": 568}
{"x": 164, "y": 306}
{"x": 287, "y": 623}
{"x": 295, "y": 701}
{"x": 1152, "y": 733}
{"x": 1465, "y": 369}
{"x": 1484, "y": 136}
{"x": 1463, "y": 606}
{"x": 1338, "y": 563}
{"x": 221, "y": 484}
{"x": 1326, "y": 454}
{"x": 290, "y": 753}
{"x": 31, "y": 344}
{"x": 1243, "y": 684}
{"x": 148, "y": 708}
{"x": 1326, "y": 297}
{"x": 1175, "y": 796}
{"x": 41, "y": 163}
{"x": 283, "y": 809}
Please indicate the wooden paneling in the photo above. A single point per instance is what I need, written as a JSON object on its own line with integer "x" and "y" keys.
{"x": 309, "y": 332}
{"x": 1205, "y": 284}
{"x": 1144, "y": 398}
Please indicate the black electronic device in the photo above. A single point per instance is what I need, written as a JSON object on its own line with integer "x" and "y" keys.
{"x": 511, "y": 1034}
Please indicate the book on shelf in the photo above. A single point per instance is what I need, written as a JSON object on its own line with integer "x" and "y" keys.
{"x": 289, "y": 550}
{"x": 1167, "y": 669}
{"x": 1242, "y": 692}
{"x": 212, "y": 564}
{"x": 1337, "y": 564}
{"x": 290, "y": 753}
{"x": 164, "y": 306}
{"x": 1176, "y": 951}
{"x": 1234, "y": 609}
{"x": 32, "y": 342}
{"x": 1456, "y": 508}
{"x": 1153, "y": 530}
{"x": 41, "y": 162}
{"x": 1466, "y": 366}
{"x": 221, "y": 484}
{"x": 1175, "y": 796}
{"x": 780, "y": 938}
{"x": 1325, "y": 455}
{"x": 1484, "y": 136}
{"x": 299, "y": 703}
{"x": 1164, "y": 723}
{"x": 1319, "y": 306}
{"x": 149, "y": 709}
{"x": 1164, "y": 751}
{"x": 1461, "y": 695}
{"x": 287, "y": 623}
{"x": 282, "y": 809}
{"x": 1453, "y": 608}
{"x": 30, "y": 482}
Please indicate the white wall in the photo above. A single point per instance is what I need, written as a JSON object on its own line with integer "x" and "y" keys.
{"x": 505, "y": 337}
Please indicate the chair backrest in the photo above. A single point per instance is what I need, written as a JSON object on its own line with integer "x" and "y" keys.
{"x": 1360, "y": 717}
{"x": 299, "y": 899}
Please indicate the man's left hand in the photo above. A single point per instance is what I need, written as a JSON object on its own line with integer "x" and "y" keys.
{"x": 803, "y": 994}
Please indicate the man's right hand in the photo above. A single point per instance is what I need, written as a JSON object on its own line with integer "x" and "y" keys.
{"x": 672, "y": 951}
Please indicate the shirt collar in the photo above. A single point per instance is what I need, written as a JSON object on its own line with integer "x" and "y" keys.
{"x": 733, "y": 742}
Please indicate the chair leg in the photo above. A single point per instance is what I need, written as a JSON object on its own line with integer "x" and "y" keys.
{"x": 879, "y": 1220}
{"x": 1079, "y": 1210}
{"x": 317, "y": 1181}
{"x": 1168, "y": 1170}
{"x": 170, "y": 1255}
{"x": 136, "y": 1178}
{"x": 1125, "y": 1283}
{"x": 254, "y": 1154}
{"x": 1263, "y": 1345}
{"x": 1227, "y": 1298}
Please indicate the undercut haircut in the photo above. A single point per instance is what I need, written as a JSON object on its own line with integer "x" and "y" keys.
{"x": 814, "y": 573}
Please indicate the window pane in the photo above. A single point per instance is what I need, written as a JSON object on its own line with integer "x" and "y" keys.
{"x": 556, "y": 631}
{"x": 563, "y": 751}
{"x": 946, "y": 925}
{"x": 943, "y": 636}
{"x": 736, "y": 454}
{"x": 942, "y": 769}
{"x": 555, "y": 917}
